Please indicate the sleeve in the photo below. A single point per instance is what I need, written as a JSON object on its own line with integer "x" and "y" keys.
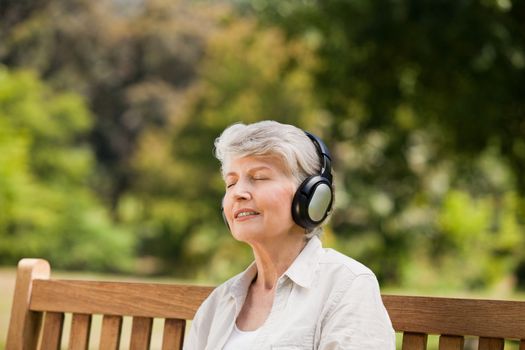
{"x": 358, "y": 320}
{"x": 191, "y": 342}
{"x": 197, "y": 338}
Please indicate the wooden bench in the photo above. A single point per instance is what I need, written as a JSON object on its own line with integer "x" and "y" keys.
{"x": 39, "y": 305}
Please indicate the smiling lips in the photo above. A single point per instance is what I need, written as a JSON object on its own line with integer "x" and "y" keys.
{"x": 244, "y": 213}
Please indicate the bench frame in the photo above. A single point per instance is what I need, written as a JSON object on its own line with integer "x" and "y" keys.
{"x": 39, "y": 305}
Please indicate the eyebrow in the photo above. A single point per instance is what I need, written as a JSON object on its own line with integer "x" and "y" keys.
{"x": 251, "y": 170}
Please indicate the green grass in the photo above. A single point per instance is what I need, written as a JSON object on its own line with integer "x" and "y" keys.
{"x": 7, "y": 285}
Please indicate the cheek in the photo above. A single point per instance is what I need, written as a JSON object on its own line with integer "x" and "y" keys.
{"x": 226, "y": 205}
{"x": 282, "y": 198}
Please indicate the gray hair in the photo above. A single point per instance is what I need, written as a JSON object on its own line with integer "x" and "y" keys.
{"x": 269, "y": 137}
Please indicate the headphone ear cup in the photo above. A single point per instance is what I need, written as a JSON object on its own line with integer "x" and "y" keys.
{"x": 312, "y": 202}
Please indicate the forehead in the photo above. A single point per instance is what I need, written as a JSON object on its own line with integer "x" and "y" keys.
{"x": 236, "y": 165}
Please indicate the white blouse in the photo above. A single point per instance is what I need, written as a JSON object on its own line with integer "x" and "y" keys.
{"x": 240, "y": 339}
{"x": 324, "y": 301}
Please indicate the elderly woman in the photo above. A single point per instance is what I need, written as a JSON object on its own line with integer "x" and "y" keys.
{"x": 296, "y": 294}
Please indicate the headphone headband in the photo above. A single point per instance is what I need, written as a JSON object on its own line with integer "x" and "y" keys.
{"x": 324, "y": 153}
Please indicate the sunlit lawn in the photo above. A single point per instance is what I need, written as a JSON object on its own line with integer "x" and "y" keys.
{"x": 7, "y": 282}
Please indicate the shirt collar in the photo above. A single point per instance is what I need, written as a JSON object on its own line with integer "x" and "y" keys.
{"x": 303, "y": 269}
{"x": 241, "y": 284}
{"x": 300, "y": 272}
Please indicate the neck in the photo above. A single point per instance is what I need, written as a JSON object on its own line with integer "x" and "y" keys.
{"x": 274, "y": 258}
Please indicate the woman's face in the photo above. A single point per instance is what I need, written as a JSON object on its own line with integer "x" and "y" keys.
{"x": 258, "y": 199}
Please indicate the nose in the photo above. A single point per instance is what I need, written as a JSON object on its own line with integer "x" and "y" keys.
{"x": 241, "y": 191}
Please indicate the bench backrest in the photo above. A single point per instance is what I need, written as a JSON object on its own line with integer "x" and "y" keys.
{"x": 39, "y": 305}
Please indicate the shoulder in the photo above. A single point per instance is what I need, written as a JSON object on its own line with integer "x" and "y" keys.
{"x": 345, "y": 279}
{"x": 207, "y": 311}
{"x": 215, "y": 306}
{"x": 231, "y": 291}
{"x": 354, "y": 315}
{"x": 219, "y": 294}
{"x": 334, "y": 262}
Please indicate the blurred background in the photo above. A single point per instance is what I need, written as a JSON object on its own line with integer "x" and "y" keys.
{"x": 109, "y": 110}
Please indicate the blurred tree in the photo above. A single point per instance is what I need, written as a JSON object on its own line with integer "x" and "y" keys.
{"x": 163, "y": 79}
{"x": 417, "y": 92}
{"x": 130, "y": 59}
{"x": 420, "y": 101}
{"x": 179, "y": 180}
{"x": 455, "y": 65}
{"x": 47, "y": 208}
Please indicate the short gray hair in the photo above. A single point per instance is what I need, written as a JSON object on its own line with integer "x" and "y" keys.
{"x": 269, "y": 137}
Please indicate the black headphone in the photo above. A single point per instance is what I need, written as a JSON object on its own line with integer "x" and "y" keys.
{"x": 314, "y": 197}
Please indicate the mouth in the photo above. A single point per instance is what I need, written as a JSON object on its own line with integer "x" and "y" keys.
{"x": 245, "y": 213}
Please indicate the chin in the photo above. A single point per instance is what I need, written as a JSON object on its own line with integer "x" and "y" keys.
{"x": 247, "y": 235}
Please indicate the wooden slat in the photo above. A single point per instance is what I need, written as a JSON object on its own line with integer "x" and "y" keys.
{"x": 486, "y": 318}
{"x": 451, "y": 342}
{"x": 131, "y": 299}
{"x": 24, "y": 325}
{"x": 491, "y": 343}
{"x": 80, "y": 330}
{"x": 110, "y": 334}
{"x": 52, "y": 331}
{"x": 522, "y": 344}
{"x": 414, "y": 341}
{"x": 173, "y": 337}
{"x": 141, "y": 333}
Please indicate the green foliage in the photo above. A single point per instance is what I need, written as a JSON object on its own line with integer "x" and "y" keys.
{"x": 178, "y": 182}
{"x": 421, "y": 103}
{"x": 132, "y": 67}
{"x": 424, "y": 111}
{"x": 47, "y": 207}
{"x": 476, "y": 241}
